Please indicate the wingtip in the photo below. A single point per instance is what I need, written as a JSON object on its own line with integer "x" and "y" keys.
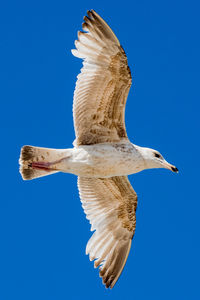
{"x": 90, "y": 10}
{"x": 93, "y": 11}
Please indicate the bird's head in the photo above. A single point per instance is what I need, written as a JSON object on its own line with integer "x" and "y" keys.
{"x": 153, "y": 159}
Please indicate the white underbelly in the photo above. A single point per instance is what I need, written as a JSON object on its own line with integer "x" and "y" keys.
{"x": 103, "y": 160}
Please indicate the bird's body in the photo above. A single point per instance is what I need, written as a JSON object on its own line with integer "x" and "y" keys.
{"x": 102, "y": 156}
{"x": 101, "y": 160}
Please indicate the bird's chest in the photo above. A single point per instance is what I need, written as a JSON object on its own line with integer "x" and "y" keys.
{"x": 107, "y": 160}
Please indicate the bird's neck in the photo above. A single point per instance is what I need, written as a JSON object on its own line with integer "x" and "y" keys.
{"x": 145, "y": 160}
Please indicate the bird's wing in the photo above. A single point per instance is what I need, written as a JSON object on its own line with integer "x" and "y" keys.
{"x": 102, "y": 86}
{"x": 109, "y": 205}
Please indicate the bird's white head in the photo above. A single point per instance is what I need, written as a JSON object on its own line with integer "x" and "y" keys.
{"x": 153, "y": 159}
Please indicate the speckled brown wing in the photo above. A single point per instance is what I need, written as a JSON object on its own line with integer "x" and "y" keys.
{"x": 102, "y": 86}
{"x": 109, "y": 205}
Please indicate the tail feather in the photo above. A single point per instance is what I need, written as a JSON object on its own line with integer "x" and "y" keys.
{"x": 30, "y": 173}
{"x": 34, "y": 161}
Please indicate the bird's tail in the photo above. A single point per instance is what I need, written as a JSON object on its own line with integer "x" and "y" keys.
{"x": 38, "y": 162}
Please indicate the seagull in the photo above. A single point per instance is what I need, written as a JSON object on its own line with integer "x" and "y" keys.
{"x": 102, "y": 156}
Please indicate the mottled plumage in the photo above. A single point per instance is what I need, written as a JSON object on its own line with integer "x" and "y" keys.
{"x": 102, "y": 86}
{"x": 102, "y": 156}
{"x": 109, "y": 205}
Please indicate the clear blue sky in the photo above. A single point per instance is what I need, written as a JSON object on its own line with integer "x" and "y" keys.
{"x": 43, "y": 230}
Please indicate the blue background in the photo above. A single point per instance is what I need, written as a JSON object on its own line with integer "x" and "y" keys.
{"x": 43, "y": 230}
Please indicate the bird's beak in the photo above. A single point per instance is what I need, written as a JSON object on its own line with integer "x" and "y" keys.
{"x": 170, "y": 167}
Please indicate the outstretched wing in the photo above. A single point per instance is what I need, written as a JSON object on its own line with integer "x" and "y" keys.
{"x": 102, "y": 86}
{"x": 109, "y": 205}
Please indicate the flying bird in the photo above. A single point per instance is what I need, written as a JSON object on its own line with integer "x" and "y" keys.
{"x": 102, "y": 156}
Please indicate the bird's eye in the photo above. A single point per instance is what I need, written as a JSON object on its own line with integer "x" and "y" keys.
{"x": 157, "y": 155}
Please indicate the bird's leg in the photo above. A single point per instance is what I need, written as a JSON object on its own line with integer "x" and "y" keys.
{"x": 46, "y": 166}
{"x": 41, "y": 166}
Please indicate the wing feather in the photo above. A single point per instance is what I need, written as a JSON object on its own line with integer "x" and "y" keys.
{"x": 102, "y": 86}
{"x": 110, "y": 205}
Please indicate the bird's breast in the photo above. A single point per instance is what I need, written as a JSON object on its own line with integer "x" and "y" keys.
{"x": 104, "y": 160}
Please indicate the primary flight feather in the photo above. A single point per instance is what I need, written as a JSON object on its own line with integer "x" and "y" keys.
{"x": 102, "y": 155}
